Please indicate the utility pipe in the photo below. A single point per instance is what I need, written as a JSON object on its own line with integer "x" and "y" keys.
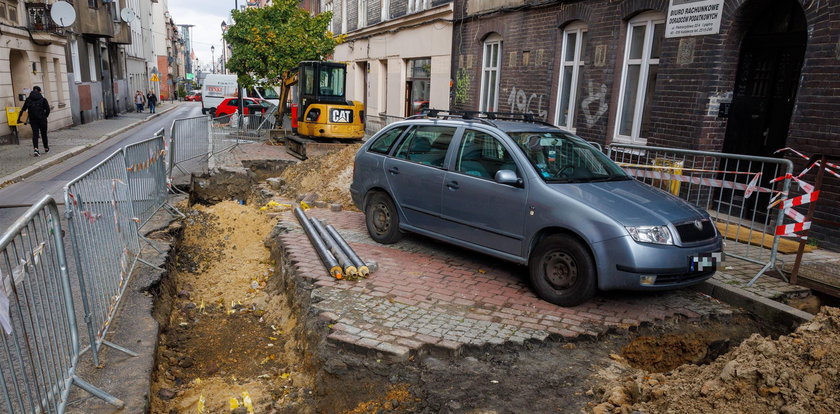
{"x": 326, "y": 257}
{"x": 332, "y": 245}
{"x": 361, "y": 267}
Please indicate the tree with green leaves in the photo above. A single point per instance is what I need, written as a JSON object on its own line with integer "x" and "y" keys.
{"x": 268, "y": 43}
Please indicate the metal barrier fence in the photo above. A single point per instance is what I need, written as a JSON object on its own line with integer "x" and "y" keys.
{"x": 189, "y": 139}
{"x": 735, "y": 189}
{"x": 39, "y": 348}
{"x": 106, "y": 245}
{"x": 145, "y": 164}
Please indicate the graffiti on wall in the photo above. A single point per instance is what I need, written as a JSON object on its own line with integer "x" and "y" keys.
{"x": 594, "y": 95}
{"x": 520, "y": 101}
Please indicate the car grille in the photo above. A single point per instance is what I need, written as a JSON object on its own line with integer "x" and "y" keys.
{"x": 689, "y": 233}
{"x": 682, "y": 277}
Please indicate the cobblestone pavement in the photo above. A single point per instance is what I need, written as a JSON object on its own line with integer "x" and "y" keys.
{"x": 14, "y": 158}
{"x": 428, "y": 294}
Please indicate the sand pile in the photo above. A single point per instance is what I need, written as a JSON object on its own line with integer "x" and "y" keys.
{"x": 328, "y": 175}
{"x": 797, "y": 373}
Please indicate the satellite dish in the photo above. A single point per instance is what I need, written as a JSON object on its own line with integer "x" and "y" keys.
{"x": 62, "y": 13}
{"x": 127, "y": 15}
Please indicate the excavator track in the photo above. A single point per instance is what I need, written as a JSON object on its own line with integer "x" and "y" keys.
{"x": 304, "y": 148}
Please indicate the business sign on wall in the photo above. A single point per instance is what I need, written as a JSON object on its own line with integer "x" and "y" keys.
{"x": 693, "y": 18}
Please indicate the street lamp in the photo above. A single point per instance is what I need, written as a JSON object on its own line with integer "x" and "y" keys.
{"x": 224, "y": 47}
{"x": 213, "y": 57}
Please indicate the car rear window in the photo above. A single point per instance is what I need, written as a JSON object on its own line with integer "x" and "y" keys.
{"x": 426, "y": 145}
{"x": 382, "y": 144}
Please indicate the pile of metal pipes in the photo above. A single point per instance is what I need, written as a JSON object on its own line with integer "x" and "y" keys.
{"x": 338, "y": 257}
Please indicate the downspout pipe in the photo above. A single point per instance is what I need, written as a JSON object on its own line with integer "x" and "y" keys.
{"x": 318, "y": 244}
{"x": 361, "y": 267}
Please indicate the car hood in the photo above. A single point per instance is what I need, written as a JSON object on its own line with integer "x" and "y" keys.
{"x": 631, "y": 203}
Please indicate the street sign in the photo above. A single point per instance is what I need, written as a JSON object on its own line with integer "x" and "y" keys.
{"x": 190, "y": 76}
{"x": 155, "y": 78}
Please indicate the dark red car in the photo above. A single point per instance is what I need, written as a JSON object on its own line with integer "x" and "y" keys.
{"x": 231, "y": 105}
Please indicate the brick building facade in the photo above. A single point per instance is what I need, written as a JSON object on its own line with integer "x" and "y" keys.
{"x": 766, "y": 80}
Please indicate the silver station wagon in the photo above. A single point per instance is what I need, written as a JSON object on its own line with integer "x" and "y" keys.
{"x": 532, "y": 194}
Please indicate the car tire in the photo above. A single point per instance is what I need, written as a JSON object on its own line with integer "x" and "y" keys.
{"x": 204, "y": 111}
{"x": 562, "y": 271}
{"x": 382, "y": 219}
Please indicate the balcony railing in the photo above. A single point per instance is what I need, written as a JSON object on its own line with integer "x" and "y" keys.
{"x": 38, "y": 15}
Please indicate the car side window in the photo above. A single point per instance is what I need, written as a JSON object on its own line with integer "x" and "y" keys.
{"x": 233, "y": 102}
{"x": 426, "y": 145}
{"x": 482, "y": 155}
{"x": 383, "y": 143}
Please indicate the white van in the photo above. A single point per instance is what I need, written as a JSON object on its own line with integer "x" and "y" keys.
{"x": 217, "y": 87}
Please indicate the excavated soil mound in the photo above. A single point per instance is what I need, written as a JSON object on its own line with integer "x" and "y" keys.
{"x": 328, "y": 175}
{"x": 797, "y": 373}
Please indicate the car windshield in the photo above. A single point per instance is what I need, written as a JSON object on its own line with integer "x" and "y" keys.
{"x": 564, "y": 158}
{"x": 267, "y": 93}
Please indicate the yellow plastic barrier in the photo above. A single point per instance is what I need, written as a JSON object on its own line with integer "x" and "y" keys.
{"x": 673, "y": 167}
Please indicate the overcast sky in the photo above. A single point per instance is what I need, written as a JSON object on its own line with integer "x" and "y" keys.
{"x": 207, "y": 16}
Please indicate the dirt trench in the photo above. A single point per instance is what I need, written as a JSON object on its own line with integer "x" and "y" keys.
{"x": 237, "y": 331}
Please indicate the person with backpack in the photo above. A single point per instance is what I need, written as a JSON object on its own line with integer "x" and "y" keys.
{"x": 152, "y": 100}
{"x": 38, "y": 110}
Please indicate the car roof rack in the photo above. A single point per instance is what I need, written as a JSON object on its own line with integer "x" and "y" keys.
{"x": 480, "y": 116}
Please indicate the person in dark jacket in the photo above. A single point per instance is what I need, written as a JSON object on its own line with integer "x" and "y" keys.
{"x": 39, "y": 110}
{"x": 152, "y": 100}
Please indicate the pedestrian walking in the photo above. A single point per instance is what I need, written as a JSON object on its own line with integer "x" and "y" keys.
{"x": 38, "y": 110}
{"x": 152, "y": 100}
{"x": 140, "y": 101}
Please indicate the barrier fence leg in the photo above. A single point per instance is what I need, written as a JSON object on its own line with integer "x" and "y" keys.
{"x": 98, "y": 393}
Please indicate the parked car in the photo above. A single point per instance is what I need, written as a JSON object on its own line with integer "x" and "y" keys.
{"x": 194, "y": 96}
{"x": 535, "y": 195}
{"x": 231, "y": 105}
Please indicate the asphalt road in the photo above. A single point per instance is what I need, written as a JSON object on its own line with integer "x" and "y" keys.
{"x": 52, "y": 180}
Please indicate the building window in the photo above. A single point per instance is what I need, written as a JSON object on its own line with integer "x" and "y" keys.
{"x": 491, "y": 62}
{"x": 362, "y": 9}
{"x": 91, "y": 62}
{"x": 74, "y": 58}
{"x": 8, "y": 11}
{"x": 92, "y": 4}
{"x": 418, "y": 85}
{"x": 571, "y": 66}
{"x": 638, "y": 77}
{"x": 328, "y": 7}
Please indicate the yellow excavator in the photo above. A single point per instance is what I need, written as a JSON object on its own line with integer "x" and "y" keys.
{"x": 322, "y": 114}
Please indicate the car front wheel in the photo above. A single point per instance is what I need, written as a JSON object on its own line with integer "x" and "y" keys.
{"x": 562, "y": 271}
{"x": 382, "y": 219}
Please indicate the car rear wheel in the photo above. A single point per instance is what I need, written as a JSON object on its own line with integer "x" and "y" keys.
{"x": 382, "y": 219}
{"x": 562, "y": 271}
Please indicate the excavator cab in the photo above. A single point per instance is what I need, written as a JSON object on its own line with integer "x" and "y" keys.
{"x": 323, "y": 109}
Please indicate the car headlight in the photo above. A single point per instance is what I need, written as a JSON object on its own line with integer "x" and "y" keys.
{"x": 651, "y": 234}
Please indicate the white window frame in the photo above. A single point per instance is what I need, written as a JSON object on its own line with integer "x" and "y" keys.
{"x": 344, "y": 16}
{"x": 328, "y": 7}
{"x": 385, "y": 10}
{"x": 92, "y": 62}
{"x": 361, "y": 12}
{"x": 648, "y": 20}
{"x": 494, "y": 40}
{"x": 575, "y": 65}
{"x": 418, "y": 5}
{"x": 74, "y": 57}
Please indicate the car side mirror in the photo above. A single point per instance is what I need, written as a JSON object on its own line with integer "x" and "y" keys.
{"x": 508, "y": 177}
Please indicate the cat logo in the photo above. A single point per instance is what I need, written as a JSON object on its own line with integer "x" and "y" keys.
{"x": 341, "y": 115}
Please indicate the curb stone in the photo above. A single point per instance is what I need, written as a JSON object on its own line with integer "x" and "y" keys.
{"x": 767, "y": 309}
{"x": 37, "y": 167}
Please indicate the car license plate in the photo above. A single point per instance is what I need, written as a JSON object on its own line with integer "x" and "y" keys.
{"x": 705, "y": 261}
{"x": 343, "y": 116}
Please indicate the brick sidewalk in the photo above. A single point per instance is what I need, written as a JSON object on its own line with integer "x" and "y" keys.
{"x": 427, "y": 294}
{"x": 14, "y": 158}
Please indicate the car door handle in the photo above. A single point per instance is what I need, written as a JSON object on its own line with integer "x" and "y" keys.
{"x": 394, "y": 170}
{"x": 452, "y": 185}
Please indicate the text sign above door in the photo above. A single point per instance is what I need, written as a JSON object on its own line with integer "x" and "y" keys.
{"x": 693, "y": 18}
